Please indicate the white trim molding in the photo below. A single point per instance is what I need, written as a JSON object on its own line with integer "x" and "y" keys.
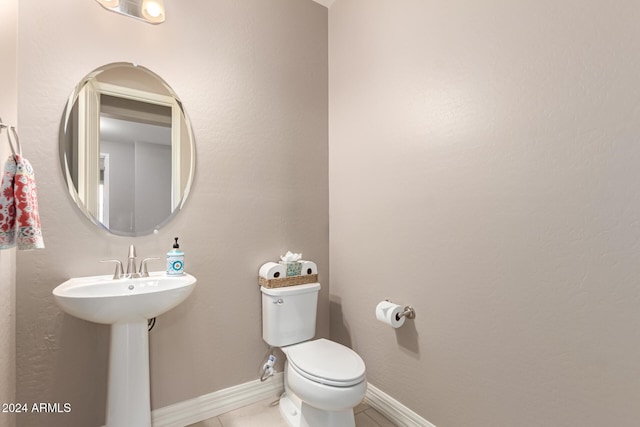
{"x": 222, "y": 401}
{"x": 395, "y": 411}
{"x": 217, "y": 403}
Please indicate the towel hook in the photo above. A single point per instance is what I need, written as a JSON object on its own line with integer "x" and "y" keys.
{"x": 15, "y": 146}
{"x": 18, "y": 147}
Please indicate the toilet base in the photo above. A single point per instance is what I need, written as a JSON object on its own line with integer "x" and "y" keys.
{"x": 298, "y": 414}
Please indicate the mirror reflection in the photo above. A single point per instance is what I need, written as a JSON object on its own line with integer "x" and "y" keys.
{"x": 126, "y": 149}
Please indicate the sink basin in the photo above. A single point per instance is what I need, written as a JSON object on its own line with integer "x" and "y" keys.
{"x": 125, "y": 304}
{"x": 102, "y": 299}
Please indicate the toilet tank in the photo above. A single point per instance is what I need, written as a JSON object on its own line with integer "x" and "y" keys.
{"x": 289, "y": 314}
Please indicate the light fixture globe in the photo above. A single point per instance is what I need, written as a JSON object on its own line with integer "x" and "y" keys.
{"x": 153, "y": 11}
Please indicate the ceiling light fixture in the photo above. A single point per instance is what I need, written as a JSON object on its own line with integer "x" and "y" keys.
{"x": 151, "y": 11}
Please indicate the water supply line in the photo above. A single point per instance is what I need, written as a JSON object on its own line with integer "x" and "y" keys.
{"x": 267, "y": 368}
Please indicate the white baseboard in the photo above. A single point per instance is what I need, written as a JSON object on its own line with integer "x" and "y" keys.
{"x": 222, "y": 401}
{"x": 217, "y": 403}
{"x": 395, "y": 411}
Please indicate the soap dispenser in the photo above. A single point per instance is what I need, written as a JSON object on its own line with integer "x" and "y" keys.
{"x": 175, "y": 260}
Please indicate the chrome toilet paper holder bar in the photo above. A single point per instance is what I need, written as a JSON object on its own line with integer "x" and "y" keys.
{"x": 408, "y": 312}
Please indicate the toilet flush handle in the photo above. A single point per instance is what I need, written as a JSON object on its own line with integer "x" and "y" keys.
{"x": 278, "y": 301}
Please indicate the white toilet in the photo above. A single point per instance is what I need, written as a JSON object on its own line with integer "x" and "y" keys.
{"x": 323, "y": 380}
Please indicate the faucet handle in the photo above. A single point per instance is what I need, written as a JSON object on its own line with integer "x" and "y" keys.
{"x": 119, "y": 270}
{"x": 143, "y": 266}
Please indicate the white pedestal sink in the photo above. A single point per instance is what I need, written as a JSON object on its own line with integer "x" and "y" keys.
{"x": 126, "y": 305}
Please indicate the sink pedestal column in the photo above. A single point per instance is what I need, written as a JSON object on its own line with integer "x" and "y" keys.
{"x": 128, "y": 395}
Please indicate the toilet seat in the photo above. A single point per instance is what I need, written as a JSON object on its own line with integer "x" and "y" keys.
{"x": 326, "y": 362}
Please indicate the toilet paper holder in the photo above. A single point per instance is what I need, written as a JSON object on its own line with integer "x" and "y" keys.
{"x": 408, "y": 312}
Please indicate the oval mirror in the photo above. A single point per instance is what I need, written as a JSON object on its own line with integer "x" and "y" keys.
{"x": 126, "y": 149}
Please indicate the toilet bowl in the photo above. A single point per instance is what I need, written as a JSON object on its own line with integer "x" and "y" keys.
{"x": 324, "y": 380}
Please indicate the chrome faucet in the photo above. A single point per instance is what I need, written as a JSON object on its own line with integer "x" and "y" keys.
{"x": 131, "y": 272}
{"x": 131, "y": 263}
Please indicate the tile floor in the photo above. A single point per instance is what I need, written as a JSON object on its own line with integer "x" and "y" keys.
{"x": 263, "y": 414}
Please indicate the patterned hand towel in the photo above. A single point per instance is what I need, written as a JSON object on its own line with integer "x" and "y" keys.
{"x": 19, "y": 217}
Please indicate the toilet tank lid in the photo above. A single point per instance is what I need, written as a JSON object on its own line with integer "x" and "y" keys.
{"x": 291, "y": 290}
